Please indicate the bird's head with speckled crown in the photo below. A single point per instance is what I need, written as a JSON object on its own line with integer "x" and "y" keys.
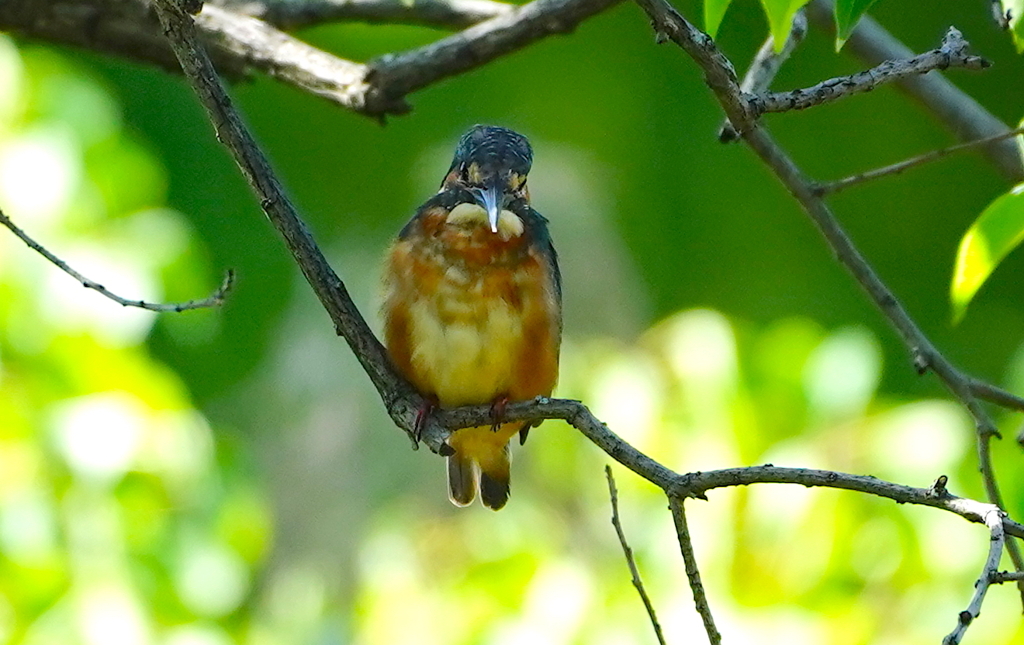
{"x": 472, "y": 304}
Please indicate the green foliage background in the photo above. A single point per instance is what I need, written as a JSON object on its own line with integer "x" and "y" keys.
{"x": 230, "y": 476}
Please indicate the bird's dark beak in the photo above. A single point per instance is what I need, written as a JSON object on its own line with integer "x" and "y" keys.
{"x": 491, "y": 199}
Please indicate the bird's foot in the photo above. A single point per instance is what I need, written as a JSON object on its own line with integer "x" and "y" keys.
{"x": 429, "y": 403}
{"x": 498, "y": 411}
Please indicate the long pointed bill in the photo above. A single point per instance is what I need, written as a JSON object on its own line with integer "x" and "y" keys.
{"x": 490, "y": 199}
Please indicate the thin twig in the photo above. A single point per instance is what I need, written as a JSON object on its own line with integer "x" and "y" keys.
{"x": 766, "y": 64}
{"x": 613, "y": 493}
{"x": 995, "y": 525}
{"x": 952, "y": 53}
{"x": 963, "y": 115}
{"x": 896, "y": 168}
{"x": 215, "y": 299}
{"x": 448, "y": 14}
{"x": 700, "y": 599}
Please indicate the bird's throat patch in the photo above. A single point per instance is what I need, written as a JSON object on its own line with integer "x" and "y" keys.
{"x": 468, "y": 215}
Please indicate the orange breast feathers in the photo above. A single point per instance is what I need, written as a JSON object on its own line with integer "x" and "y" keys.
{"x": 471, "y": 317}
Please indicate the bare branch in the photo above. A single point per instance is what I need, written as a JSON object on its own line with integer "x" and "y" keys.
{"x": 765, "y": 66}
{"x": 395, "y": 75}
{"x": 896, "y": 168}
{"x": 995, "y": 525}
{"x": 996, "y": 395}
{"x": 1007, "y": 576}
{"x": 215, "y": 299}
{"x": 719, "y": 74}
{"x": 613, "y": 493}
{"x": 961, "y": 114}
{"x": 401, "y": 400}
{"x": 925, "y": 355}
{"x": 241, "y": 43}
{"x": 446, "y": 14}
{"x": 952, "y": 53}
{"x": 700, "y": 599}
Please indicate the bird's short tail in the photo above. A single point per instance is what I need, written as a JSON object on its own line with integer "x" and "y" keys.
{"x": 486, "y": 471}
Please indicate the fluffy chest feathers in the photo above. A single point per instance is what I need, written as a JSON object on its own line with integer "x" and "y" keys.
{"x": 466, "y": 324}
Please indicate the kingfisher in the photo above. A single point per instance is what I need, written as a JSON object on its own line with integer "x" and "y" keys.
{"x": 472, "y": 304}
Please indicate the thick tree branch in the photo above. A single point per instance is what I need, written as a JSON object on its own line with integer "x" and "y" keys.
{"x": 215, "y": 299}
{"x": 447, "y": 14}
{"x": 241, "y": 43}
{"x": 961, "y": 114}
{"x": 393, "y": 76}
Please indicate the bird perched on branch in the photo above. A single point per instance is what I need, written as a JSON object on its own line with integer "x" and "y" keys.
{"x": 472, "y": 304}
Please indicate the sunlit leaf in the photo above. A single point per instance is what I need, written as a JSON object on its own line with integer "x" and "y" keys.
{"x": 998, "y": 230}
{"x": 848, "y": 13}
{"x": 714, "y": 11}
{"x": 780, "y": 18}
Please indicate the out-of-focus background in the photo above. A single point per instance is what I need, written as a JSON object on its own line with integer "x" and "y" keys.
{"x": 230, "y": 476}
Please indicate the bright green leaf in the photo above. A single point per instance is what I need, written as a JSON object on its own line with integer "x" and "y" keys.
{"x": 714, "y": 11}
{"x": 848, "y": 13}
{"x": 780, "y": 18}
{"x": 998, "y": 230}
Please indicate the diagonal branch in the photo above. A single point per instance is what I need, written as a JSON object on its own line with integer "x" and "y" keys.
{"x": 993, "y": 519}
{"x": 925, "y": 355}
{"x": 700, "y": 599}
{"x": 613, "y": 493}
{"x": 215, "y": 299}
{"x": 913, "y": 162}
{"x": 395, "y": 75}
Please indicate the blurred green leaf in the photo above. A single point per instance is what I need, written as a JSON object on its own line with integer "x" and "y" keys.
{"x": 998, "y": 230}
{"x": 1015, "y": 9}
{"x": 714, "y": 11}
{"x": 780, "y": 18}
{"x": 848, "y": 13}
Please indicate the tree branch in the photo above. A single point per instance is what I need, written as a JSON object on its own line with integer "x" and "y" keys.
{"x": 961, "y": 114}
{"x": 925, "y": 356}
{"x": 993, "y": 519}
{"x": 241, "y": 43}
{"x": 613, "y": 493}
{"x": 766, "y": 64}
{"x": 215, "y": 299}
{"x": 445, "y": 14}
{"x": 897, "y": 168}
{"x": 403, "y": 402}
{"x": 700, "y": 599}
{"x": 952, "y": 53}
